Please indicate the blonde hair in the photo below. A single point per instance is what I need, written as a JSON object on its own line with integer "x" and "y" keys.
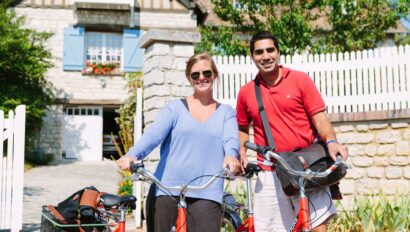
{"x": 195, "y": 59}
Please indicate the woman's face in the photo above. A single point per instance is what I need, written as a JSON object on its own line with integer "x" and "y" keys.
{"x": 202, "y": 77}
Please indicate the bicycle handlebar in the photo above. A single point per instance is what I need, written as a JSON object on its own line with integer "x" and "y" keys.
{"x": 140, "y": 169}
{"x": 308, "y": 174}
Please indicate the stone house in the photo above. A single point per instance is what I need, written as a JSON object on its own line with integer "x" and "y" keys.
{"x": 87, "y": 32}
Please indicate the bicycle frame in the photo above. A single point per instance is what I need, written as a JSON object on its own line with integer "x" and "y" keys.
{"x": 112, "y": 215}
{"x": 121, "y": 224}
{"x": 249, "y": 224}
{"x": 302, "y": 220}
{"x": 181, "y": 223}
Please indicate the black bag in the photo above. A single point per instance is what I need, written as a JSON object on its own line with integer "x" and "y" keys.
{"x": 315, "y": 157}
{"x": 79, "y": 208}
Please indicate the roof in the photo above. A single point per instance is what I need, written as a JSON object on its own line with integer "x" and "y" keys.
{"x": 143, "y": 4}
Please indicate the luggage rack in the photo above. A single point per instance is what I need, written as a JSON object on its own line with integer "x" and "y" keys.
{"x": 50, "y": 224}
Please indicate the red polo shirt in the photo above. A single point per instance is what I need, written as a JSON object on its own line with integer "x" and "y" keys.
{"x": 290, "y": 105}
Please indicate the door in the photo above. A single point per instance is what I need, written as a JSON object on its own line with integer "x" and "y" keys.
{"x": 82, "y": 133}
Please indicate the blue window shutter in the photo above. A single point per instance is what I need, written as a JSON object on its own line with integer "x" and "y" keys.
{"x": 133, "y": 54}
{"x": 74, "y": 48}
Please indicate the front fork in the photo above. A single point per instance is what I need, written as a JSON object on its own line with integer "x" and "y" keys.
{"x": 251, "y": 226}
{"x": 302, "y": 221}
{"x": 181, "y": 225}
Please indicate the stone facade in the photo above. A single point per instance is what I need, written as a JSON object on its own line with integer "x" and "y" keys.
{"x": 379, "y": 156}
{"x": 51, "y": 132}
{"x": 74, "y": 88}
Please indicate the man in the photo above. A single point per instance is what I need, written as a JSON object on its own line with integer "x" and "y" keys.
{"x": 296, "y": 114}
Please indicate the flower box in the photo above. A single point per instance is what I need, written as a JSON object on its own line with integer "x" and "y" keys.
{"x": 102, "y": 69}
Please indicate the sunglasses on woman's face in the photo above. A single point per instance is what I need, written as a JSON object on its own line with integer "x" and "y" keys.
{"x": 196, "y": 75}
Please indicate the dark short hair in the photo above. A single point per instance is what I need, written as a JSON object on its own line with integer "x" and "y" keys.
{"x": 263, "y": 35}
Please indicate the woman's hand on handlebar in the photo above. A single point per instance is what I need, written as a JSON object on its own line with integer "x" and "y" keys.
{"x": 125, "y": 161}
{"x": 233, "y": 164}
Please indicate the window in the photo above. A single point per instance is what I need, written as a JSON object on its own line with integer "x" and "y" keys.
{"x": 103, "y": 47}
{"x": 85, "y": 111}
{"x": 81, "y": 47}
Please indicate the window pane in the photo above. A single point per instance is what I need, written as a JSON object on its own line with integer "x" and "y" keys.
{"x": 103, "y": 47}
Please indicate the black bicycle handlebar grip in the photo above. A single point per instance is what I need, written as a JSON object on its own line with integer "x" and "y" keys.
{"x": 257, "y": 148}
{"x": 135, "y": 166}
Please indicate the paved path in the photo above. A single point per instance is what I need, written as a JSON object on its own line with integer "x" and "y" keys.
{"x": 54, "y": 183}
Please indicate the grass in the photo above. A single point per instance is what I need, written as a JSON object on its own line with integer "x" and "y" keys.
{"x": 374, "y": 213}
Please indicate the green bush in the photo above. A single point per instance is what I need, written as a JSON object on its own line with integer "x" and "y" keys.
{"x": 24, "y": 61}
{"x": 38, "y": 157}
{"x": 126, "y": 123}
{"x": 374, "y": 213}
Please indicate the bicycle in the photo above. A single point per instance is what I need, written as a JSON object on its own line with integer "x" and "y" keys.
{"x": 114, "y": 208}
{"x": 231, "y": 221}
{"x": 302, "y": 220}
{"x": 110, "y": 216}
{"x": 181, "y": 225}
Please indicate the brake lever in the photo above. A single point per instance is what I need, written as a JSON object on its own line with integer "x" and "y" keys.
{"x": 267, "y": 163}
{"x": 228, "y": 174}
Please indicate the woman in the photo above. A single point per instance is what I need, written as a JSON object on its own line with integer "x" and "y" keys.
{"x": 199, "y": 136}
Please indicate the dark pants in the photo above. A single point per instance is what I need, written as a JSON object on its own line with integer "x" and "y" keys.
{"x": 162, "y": 213}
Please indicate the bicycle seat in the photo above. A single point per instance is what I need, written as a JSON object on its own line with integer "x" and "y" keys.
{"x": 110, "y": 200}
{"x": 251, "y": 169}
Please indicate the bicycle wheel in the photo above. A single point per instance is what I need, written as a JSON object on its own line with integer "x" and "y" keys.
{"x": 227, "y": 223}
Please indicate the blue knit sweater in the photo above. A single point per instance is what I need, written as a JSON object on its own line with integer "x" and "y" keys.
{"x": 191, "y": 151}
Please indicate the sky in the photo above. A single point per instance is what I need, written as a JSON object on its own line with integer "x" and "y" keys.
{"x": 406, "y": 22}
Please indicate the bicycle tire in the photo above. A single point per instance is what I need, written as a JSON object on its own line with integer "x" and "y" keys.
{"x": 228, "y": 222}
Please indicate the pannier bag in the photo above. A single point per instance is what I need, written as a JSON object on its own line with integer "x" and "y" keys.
{"x": 79, "y": 208}
{"x": 315, "y": 157}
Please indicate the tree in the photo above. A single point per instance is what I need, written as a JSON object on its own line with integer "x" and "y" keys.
{"x": 24, "y": 61}
{"x": 312, "y": 26}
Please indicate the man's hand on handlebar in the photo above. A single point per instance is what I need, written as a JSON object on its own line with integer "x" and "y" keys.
{"x": 337, "y": 149}
{"x": 125, "y": 161}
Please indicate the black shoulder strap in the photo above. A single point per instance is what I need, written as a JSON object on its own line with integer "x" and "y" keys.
{"x": 185, "y": 102}
{"x": 264, "y": 117}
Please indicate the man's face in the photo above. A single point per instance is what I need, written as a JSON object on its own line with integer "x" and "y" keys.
{"x": 265, "y": 56}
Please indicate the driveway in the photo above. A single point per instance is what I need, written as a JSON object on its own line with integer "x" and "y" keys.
{"x": 54, "y": 183}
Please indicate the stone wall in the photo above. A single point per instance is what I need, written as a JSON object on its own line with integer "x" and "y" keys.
{"x": 50, "y": 140}
{"x": 379, "y": 156}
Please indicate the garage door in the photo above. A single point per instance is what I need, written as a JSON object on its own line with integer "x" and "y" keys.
{"x": 82, "y": 133}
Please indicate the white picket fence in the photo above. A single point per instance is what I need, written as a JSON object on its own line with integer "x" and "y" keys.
{"x": 369, "y": 80}
{"x": 12, "y": 133}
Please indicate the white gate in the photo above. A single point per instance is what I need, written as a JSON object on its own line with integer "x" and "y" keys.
{"x": 82, "y": 133}
{"x": 12, "y": 135}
